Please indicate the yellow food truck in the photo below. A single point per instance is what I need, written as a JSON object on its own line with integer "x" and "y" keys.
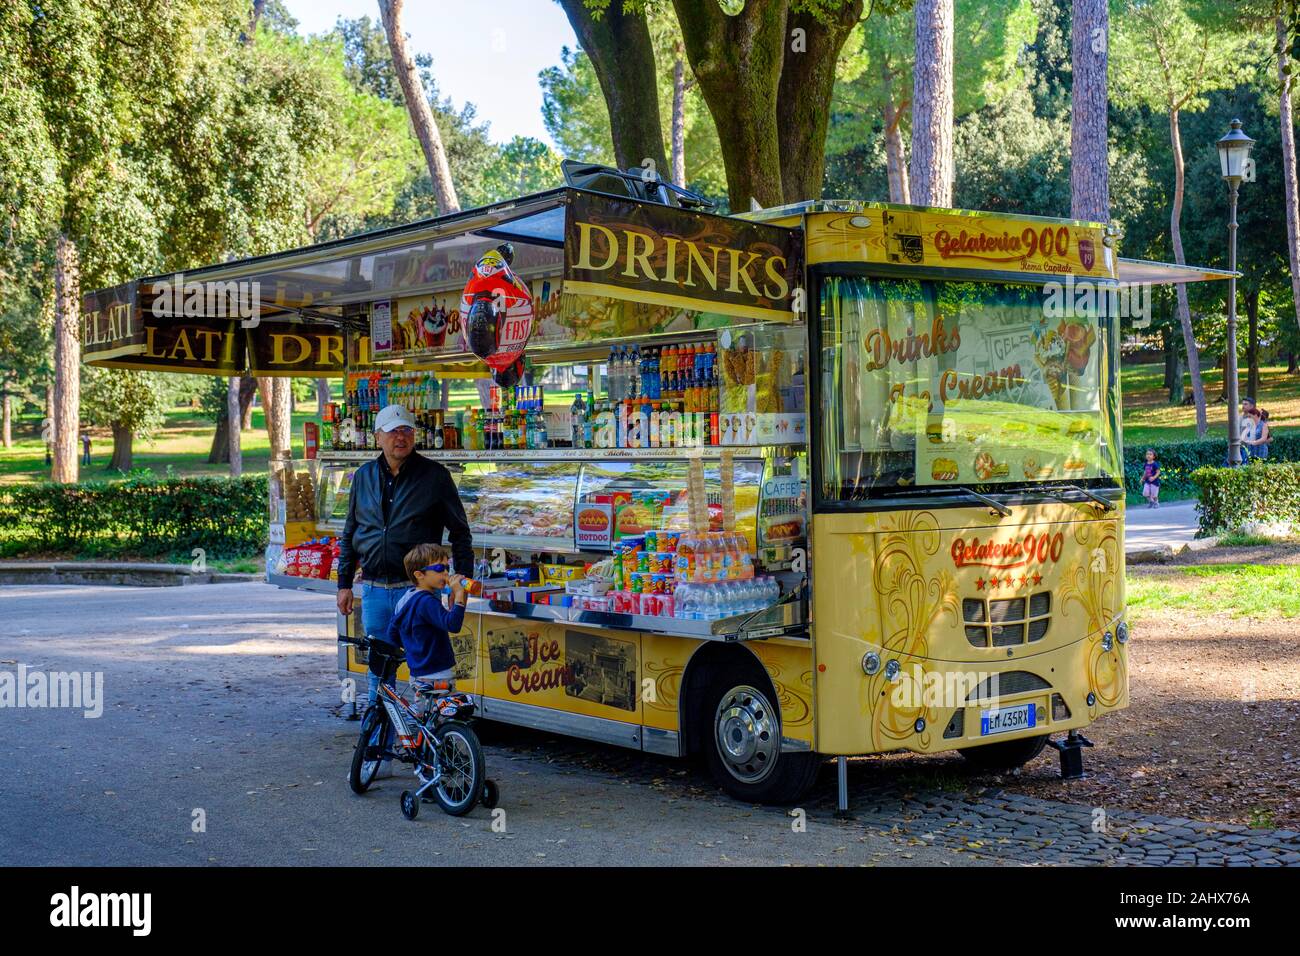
{"x": 832, "y": 479}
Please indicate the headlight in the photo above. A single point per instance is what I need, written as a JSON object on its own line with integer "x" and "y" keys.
{"x": 891, "y": 670}
{"x": 1107, "y": 642}
{"x": 870, "y": 663}
{"x": 920, "y": 725}
{"x": 1121, "y": 632}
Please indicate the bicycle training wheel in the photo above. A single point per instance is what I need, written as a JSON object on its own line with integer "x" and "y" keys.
{"x": 463, "y": 772}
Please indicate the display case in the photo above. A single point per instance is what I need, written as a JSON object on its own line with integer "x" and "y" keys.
{"x": 622, "y": 499}
{"x": 522, "y": 505}
{"x": 300, "y": 553}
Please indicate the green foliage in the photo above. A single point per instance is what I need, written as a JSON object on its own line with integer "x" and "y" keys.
{"x": 130, "y": 399}
{"x": 574, "y": 112}
{"x": 1260, "y": 491}
{"x": 143, "y": 515}
{"x": 1180, "y": 459}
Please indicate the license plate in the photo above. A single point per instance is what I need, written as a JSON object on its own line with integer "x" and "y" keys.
{"x": 1004, "y": 720}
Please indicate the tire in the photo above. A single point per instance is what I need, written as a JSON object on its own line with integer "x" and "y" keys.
{"x": 1007, "y": 755}
{"x": 491, "y": 794}
{"x": 464, "y": 773}
{"x": 410, "y": 805}
{"x": 362, "y": 772}
{"x": 741, "y": 733}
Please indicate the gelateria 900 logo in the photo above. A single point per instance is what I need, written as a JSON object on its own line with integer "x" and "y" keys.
{"x": 1033, "y": 548}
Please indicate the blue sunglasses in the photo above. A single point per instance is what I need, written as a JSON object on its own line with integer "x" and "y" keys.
{"x": 436, "y": 568}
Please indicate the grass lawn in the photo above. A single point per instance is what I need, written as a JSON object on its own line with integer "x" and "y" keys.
{"x": 1149, "y": 418}
{"x": 1237, "y": 590}
{"x": 182, "y": 444}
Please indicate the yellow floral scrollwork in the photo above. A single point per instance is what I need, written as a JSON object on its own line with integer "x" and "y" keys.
{"x": 1092, "y": 582}
{"x": 910, "y": 602}
{"x": 667, "y": 679}
{"x": 795, "y": 702}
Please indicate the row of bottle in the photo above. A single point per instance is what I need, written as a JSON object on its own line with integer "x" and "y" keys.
{"x": 643, "y": 423}
{"x": 661, "y": 372}
{"x": 528, "y": 398}
{"x": 712, "y": 602}
{"x": 353, "y": 429}
{"x": 714, "y": 556}
{"x": 374, "y": 388}
{"x": 511, "y": 428}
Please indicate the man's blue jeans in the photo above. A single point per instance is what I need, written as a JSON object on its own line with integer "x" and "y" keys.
{"x": 377, "y": 606}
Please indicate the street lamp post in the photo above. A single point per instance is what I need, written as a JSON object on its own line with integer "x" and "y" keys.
{"x": 1234, "y": 151}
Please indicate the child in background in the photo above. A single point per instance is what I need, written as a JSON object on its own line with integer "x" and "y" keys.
{"x": 423, "y": 626}
{"x": 1151, "y": 480}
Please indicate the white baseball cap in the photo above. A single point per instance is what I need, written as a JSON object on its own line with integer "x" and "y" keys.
{"x": 391, "y": 417}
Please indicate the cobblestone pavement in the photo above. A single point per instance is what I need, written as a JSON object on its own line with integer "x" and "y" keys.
{"x": 984, "y": 821}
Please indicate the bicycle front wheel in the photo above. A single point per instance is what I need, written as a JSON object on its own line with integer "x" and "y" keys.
{"x": 365, "y": 758}
{"x": 463, "y": 771}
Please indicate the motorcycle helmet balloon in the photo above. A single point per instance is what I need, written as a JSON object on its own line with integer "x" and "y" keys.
{"x": 481, "y": 325}
{"x": 498, "y": 311}
{"x": 510, "y": 376}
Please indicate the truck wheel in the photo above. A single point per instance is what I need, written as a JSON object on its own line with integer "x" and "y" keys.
{"x": 741, "y": 733}
{"x": 1007, "y": 755}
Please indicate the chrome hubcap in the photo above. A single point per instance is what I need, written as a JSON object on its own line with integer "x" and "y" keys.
{"x": 745, "y": 730}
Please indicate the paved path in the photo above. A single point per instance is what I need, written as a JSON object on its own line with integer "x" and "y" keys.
{"x": 1174, "y": 523}
{"x": 220, "y": 702}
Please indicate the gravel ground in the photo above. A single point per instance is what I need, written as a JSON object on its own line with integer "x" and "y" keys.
{"x": 222, "y": 699}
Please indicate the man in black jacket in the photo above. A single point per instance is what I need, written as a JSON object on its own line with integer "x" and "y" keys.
{"x": 397, "y": 501}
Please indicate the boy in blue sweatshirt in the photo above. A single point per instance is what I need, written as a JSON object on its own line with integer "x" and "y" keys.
{"x": 424, "y": 627}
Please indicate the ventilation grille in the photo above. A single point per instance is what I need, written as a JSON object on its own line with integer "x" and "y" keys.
{"x": 1006, "y": 622}
{"x": 1007, "y": 684}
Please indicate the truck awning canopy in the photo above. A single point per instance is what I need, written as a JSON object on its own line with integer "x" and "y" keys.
{"x": 1168, "y": 273}
{"x": 597, "y": 266}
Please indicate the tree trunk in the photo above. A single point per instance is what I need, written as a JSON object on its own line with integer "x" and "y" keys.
{"x": 896, "y": 155}
{"x": 6, "y": 430}
{"x": 622, "y": 54}
{"x": 322, "y": 396}
{"x": 234, "y": 447}
{"x": 122, "y": 451}
{"x": 219, "y": 451}
{"x": 1252, "y": 344}
{"x": 247, "y": 389}
{"x": 1089, "y": 163}
{"x": 66, "y": 420}
{"x": 1177, "y": 393}
{"x": 1167, "y": 342}
{"x": 282, "y": 419}
{"x": 1292, "y": 363}
{"x": 246, "y": 37}
{"x": 1184, "y": 311}
{"x": 1289, "y": 165}
{"x": 803, "y": 105}
{"x": 426, "y": 130}
{"x": 932, "y": 107}
{"x": 679, "y": 114}
{"x": 737, "y": 62}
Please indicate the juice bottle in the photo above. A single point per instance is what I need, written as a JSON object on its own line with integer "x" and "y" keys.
{"x": 685, "y": 561}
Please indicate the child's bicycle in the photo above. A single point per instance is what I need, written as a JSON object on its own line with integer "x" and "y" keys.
{"x": 444, "y": 750}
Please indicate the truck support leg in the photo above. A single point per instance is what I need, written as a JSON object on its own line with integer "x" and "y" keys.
{"x": 1071, "y": 751}
{"x": 842, "y": 772}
